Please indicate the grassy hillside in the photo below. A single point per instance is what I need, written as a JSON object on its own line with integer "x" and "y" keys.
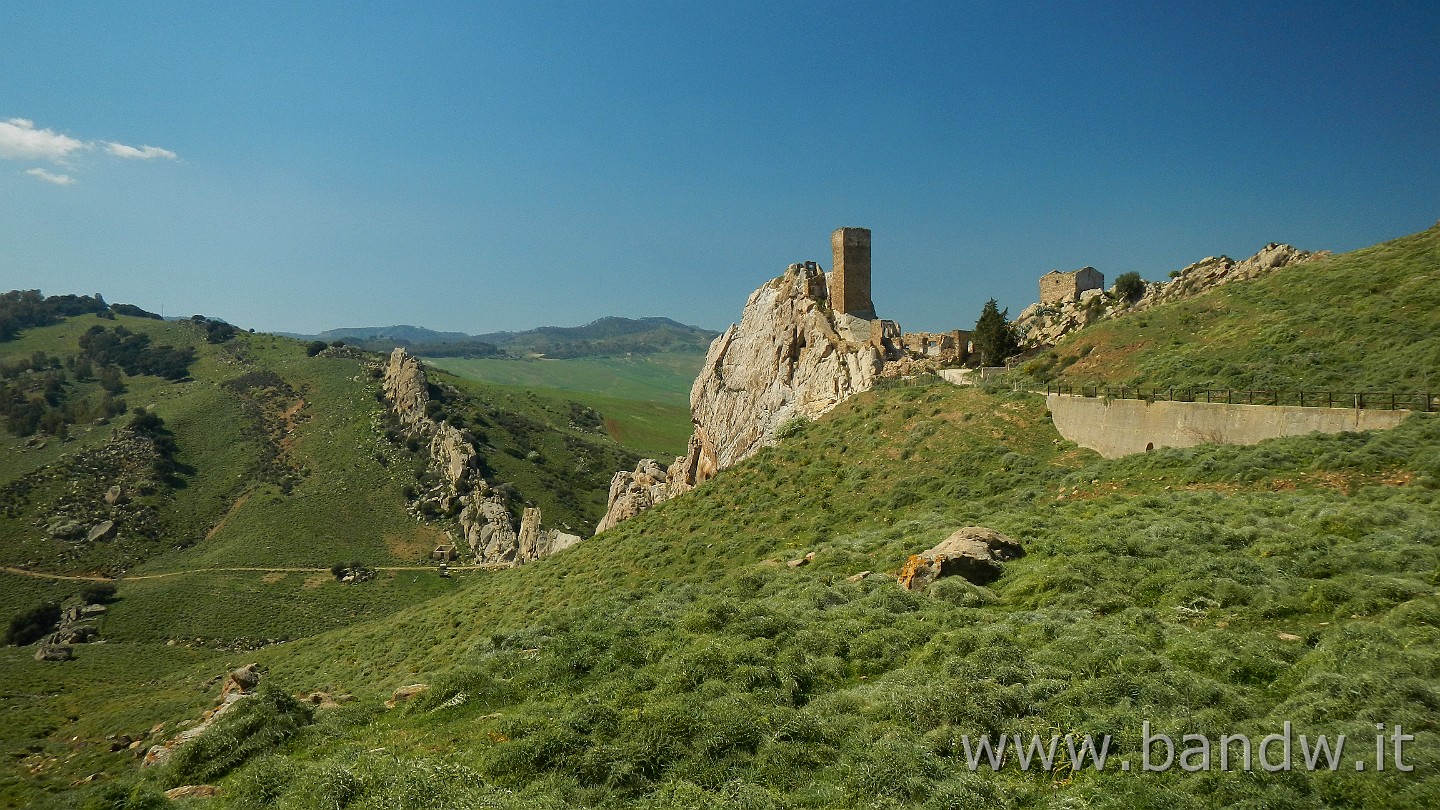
{"x": 676, "y": 661}
{"x": 645, "y": 398}
{"x": 1362, "y": 321}
{"x": 279, "y": 468}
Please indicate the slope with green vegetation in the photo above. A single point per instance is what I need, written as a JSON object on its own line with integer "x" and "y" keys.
{"x": 676, "y": 661}
{"x": 233, "y": 489}
{"x": 644, "y": 398}
{"x": 1362, "y": 321}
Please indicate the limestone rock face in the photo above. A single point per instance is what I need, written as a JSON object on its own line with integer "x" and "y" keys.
{"x": 785, "y": 359}
{"x": 1045, "y": 325}
{"x": 633, "y": 492}
{"x": 974, "y": 552}
{"x": 406, "y": 387}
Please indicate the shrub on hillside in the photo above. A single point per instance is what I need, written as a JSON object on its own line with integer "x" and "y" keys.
{"x": 29, "y": 626}
{"x": 1129, "y": 286}
{"x": 252, "y": 726}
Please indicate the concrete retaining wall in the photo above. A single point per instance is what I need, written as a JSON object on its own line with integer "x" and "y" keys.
{"x": 1119, "y": 427}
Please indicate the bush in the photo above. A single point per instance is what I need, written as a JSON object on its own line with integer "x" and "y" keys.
{"x": 1129, "y": 286}
{"x": 98, "y": 593}
{"x": 29, "y": 626}
{"x": 314, "y": 347}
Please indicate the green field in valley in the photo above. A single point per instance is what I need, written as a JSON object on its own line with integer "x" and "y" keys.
{"x": 645, "y": 398}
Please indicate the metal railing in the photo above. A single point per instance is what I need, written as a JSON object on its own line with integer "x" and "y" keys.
{"x": 1374, "y": 400}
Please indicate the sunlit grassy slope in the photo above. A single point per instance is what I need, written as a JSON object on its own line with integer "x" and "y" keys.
{"x": 645, "y": 398}
{"x": 1362, "y": 321}
{"x": 304, "y": 483}
{"x": 676, "y": 661}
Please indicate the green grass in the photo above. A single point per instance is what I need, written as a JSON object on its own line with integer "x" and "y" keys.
{"x": 644, "y": 398}
{"x": 1362, "y": 321}
{"x": 676, "y": 661}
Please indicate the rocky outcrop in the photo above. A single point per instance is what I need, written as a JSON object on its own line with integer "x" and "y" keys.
{"x": 974, "y": 552}
{"x": 1045, "y": 325}
{"x": 633, "y": 492}
{"x": 785, "y": 359}
{"x": 482, "y": 511}
{"x": 406, "y": 387}
{"x": 239, "y": 684}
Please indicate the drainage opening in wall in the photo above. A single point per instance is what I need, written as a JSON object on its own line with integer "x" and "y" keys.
{"x": 1149, "y": 446}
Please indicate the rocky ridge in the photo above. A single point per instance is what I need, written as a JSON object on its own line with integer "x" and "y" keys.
{"x": 1045, "y": 325}
{"x": 481, "y": 510}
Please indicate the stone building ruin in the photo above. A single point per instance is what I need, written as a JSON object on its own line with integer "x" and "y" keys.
{"x": 1058, "y": 288}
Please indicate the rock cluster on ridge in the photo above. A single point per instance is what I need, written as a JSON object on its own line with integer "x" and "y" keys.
{"x": 485, "y": 521}
{"x": 1045, "y": 325}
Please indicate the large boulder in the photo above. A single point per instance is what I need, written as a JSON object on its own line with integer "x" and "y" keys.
{"x": 54, "y": 652}
{"x": 406, "y": 387}
{"x": 101, "y": 531}
{"x": 406, "y": 693}
{"x": 243, "y": 680}
{"x": 786, "y": 359}
{"x": 974, "y": 552}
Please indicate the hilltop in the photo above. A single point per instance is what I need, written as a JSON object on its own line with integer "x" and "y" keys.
{"x": 1368, "y": 320}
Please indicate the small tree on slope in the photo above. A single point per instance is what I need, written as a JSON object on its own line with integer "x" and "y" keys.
{"x": 994, "y": 337}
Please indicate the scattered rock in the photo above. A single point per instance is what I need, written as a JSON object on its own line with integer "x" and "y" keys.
{"x": 192, "y": 792}
{"x": 974, "y": 552}
{"x": 243, "y": 680}
{"x": 101, "y": 531}
{"x": 115, "y": 495}
{"x": 860, "y": 577}
{"x": 54, "y": 652}
{"x": 66, "y": 530}
{"x": 806, "y": 560}
{"x": 1044, "y": 325}
{"x": 406, "y": 693}
{"x": 1288, "y": 637}
{"x": 323, "y": 700}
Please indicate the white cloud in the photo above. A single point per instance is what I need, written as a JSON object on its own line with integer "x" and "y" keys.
{"x": 20, "y": 140}
{"x": 57, "y": 179}
{"x": 120, "y": 150}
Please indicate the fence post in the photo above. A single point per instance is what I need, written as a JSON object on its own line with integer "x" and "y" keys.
{"x": 1302, "y": 397}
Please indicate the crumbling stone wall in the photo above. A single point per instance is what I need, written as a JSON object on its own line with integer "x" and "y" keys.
{"x": 1057, "y": 287}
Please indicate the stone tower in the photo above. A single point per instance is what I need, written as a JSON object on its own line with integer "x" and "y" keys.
{"x": 850, "y": 284}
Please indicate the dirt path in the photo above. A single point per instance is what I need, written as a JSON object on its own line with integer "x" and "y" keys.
{"x": 167, "y": 574}
{"x": 234, "y": 507}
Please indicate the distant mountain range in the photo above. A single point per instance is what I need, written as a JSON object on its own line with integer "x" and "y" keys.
{"x": 606, "y": 336}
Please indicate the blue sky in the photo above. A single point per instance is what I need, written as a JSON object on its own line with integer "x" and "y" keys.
{"x": 474, "y": 167}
